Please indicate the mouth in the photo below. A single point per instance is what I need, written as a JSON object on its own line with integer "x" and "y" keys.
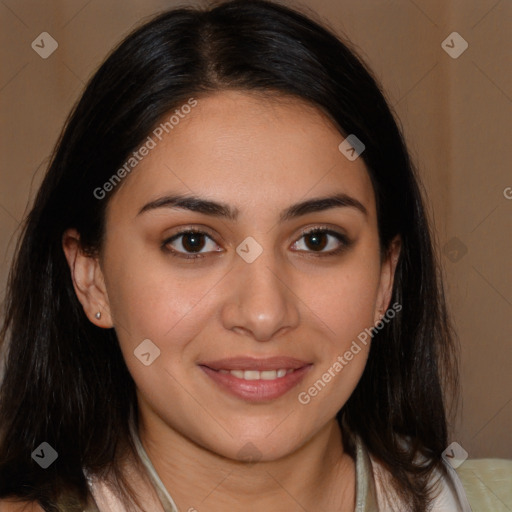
{"x": 256, "y": 380}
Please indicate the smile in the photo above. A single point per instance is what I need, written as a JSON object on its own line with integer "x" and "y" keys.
{"x": 256, "y": 380}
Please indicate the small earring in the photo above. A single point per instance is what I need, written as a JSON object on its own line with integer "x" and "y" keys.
{"x": 98, "y": 315}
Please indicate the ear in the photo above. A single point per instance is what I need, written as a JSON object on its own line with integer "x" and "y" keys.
{"x": 387, "y": 277}
{"x": 88, "y": 280}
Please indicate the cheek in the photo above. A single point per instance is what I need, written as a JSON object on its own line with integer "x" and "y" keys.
{"x": 346, "y": 307}
{"x": 150, "y": 300}
{"x": 345, "y": 299}
{"x": 148, "y": 303}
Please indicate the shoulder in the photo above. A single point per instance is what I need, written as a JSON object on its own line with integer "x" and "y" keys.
{"x": 10, "y": 505}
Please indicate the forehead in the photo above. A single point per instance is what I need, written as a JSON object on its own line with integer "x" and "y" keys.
{"x": 247, "y": 150}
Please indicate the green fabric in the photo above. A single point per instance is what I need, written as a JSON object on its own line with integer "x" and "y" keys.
{"x": 488, "y": 484}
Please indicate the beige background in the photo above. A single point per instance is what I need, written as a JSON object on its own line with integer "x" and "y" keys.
{"x": 456, "y": 114}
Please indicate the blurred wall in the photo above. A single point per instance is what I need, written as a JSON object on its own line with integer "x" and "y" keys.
{"x": 455, "y": 105}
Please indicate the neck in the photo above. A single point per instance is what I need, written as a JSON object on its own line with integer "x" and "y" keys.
{"x": 319, "y": 475}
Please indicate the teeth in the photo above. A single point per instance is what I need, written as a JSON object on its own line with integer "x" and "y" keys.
{"x": 257, "y": 375}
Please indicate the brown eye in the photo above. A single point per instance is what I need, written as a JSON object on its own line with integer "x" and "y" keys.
{"x": 190, "y": 244}
{"x": 317, "y": 240}
{"x": 193, "y": 242}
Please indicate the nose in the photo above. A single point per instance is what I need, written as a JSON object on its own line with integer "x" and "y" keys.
{"x": 260, "y": 302}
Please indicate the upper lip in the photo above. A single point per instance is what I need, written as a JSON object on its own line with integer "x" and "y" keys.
{"x": 251, "y": 363}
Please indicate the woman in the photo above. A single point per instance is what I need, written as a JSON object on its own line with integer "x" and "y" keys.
{"x": 226, "y": 295}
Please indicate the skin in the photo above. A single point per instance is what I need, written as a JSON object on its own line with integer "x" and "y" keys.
{"x": 261, "y": 156}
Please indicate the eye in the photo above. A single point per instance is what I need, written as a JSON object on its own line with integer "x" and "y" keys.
{"x": 190, "y": 243}
{"x": 194, "y": 243}
{"x": 324, "y": 241}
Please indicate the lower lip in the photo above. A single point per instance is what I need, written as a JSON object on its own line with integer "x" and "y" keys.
{"x": 257, "y": 390}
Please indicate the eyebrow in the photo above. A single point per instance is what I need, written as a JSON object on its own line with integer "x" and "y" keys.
{"x": 218, "y": 209}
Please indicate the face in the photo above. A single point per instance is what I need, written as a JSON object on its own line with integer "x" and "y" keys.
{"x": 253, "y": 307}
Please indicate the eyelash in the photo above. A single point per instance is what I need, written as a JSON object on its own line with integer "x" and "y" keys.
{"x": 345, "y": 243}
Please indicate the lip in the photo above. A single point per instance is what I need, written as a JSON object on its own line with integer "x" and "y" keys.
{"x": 256, "y": 390}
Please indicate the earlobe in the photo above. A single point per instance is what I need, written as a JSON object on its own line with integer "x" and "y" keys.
{"x": 88, "y": 280}
{"x": 387, "y": 278}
